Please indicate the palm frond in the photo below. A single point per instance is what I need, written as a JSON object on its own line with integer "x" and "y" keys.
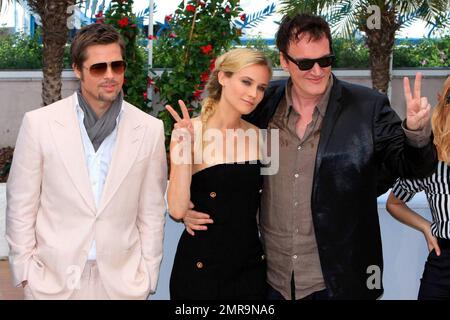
{"x": 344, "y": 18}
{"x": 143, "y": 14}
{"x": 434, "y": 12}
{"x": 163, "y": 27}
{"x": 292, "y": 7}
{"x": 4, "y": 3}
{"x": 253, "y": 19}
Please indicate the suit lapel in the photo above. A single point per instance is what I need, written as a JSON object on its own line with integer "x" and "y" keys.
{"x": 333, "y": 110}
{"x": 67, "y": 137}
{"x": 129, "y": 139}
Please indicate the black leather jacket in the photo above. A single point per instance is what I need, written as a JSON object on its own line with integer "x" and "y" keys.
{"x": 362, "y": 150}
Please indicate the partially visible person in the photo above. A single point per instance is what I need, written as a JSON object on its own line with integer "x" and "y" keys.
{"x": 435, "y": 282}
{"x": 226, "y": 261}
{"x": 85, "y": 196}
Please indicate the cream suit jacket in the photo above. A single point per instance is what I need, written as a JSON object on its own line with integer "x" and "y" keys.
{"x": 52, "y": 218}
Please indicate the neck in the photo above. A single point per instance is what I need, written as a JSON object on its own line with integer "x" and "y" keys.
{"x": 225, "y": 117}
{"x": 302, "y": 102}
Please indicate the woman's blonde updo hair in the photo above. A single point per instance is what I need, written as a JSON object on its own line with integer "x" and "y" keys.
{"x": 440, "y": 123}
{"x": 229, "y": 63}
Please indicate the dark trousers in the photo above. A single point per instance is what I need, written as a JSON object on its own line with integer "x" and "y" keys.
{"x": 273, "y": 294}
{"x": 435, "y": 282}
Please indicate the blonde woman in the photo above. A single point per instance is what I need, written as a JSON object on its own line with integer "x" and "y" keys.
{"x": 435, "y": 282}
{"x": 220, "y": 174}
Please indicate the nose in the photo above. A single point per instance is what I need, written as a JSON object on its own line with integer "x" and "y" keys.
{"x": 316, "y": 70}
{"x": 253, "y": 91}
{"x": 109, "y": 73}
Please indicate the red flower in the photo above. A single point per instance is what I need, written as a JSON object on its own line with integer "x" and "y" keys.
{"x": 190, "y": 8}
{"x": 198, "y": 94}
{"x": 152, "y": 37}
{"x": 133, "y": 25}
{"x": 243, "y": 16}
{"x": 99, "y": 18}
{"x": 168, "y": 18}
{"x": 123, "y": 22}
{"x": 172, "y": 35}
{"x": 206, "y": 49}
{"x": 227, "y": 9}
{"x": 145, "y": 95}
{"x": 201, "y": 3}
{"x": 204, "y": 76}
{"x": 150, "y": 82}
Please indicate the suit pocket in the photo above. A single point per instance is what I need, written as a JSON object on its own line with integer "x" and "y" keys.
{"x": 37, "y": 262}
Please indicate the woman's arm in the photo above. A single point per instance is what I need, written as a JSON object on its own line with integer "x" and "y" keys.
{"x": 181, "y": 145}
{"x": 400, "y": 211}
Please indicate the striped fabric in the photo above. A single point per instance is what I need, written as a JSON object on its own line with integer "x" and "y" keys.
{"x": 437, "y": 190}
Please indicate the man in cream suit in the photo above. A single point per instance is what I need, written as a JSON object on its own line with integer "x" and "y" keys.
{"x": 85, "y": 196}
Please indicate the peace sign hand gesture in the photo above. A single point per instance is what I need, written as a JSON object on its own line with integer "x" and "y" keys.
{"x": 417, "y": 108}
{"x": 183, "y": 128}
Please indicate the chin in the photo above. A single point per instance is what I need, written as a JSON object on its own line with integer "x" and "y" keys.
{"x": 247, "y": 110}
{"x": 318, "y": 90}
{"x": 110, "y": 97}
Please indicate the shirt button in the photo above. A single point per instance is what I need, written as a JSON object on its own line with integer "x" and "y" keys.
{"x": 299, "y": 148}
{"x": 212, "y": 194}
{"x": 295, "y": 204}
{"x": 199, "y": 265}
{"x": 294, "y": 256}
{"x": 296, "y": 230}
{"x": 296, "y": 175}
{"x": 260, "y": 190}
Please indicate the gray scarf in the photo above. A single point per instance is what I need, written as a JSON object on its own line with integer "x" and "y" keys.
{"x": 99, "y": 129}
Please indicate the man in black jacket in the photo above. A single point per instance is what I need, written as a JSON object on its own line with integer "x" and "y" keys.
{"x": 318, "y": 217}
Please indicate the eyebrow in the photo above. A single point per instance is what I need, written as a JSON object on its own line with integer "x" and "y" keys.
{"x": 249, "y": 78}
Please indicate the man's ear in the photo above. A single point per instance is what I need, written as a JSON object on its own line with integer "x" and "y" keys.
{"x": 76, "y": 71}
{"x": 284, "y": 63}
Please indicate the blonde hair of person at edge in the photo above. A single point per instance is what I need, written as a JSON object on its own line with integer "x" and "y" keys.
{"x": 435, "y": 282}
{"x": 226, "y": 261}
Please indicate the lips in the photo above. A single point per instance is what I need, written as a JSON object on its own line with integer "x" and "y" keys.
{"x": 319, "y": 80}
{"x": 250, "y": 103}
{"x": 109, "y": 87}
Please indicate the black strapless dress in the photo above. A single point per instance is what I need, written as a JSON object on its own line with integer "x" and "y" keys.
{"x": 227, "y": 260}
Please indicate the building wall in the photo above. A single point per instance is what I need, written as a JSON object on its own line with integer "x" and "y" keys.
{"x": 21, "y": 92}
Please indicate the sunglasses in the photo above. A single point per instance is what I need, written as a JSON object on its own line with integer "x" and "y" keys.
{"x": 99, "y": 69}
{"x": 307, "y": 64}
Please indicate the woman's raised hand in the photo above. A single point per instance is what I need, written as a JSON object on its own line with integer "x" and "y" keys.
{"x": 183, "y": 127}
